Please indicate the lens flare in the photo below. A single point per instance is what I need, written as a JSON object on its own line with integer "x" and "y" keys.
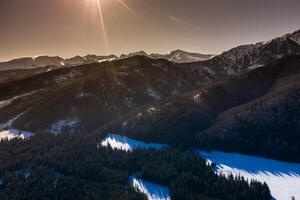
{"x": 184, "y": 23}
{"x": 95, "y": 10}
{"x": 102, "y": 22}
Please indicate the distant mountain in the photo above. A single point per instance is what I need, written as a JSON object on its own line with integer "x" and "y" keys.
{"x": 254, "y": 55}
{"x": 48, "y": 61}
{"x": 229, "y": 62}
{"x": 178, "y": 56}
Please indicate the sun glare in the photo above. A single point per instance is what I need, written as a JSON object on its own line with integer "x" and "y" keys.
{"x": 98, "y": 6}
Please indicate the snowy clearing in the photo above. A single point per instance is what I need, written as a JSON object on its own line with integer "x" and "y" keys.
{"x": 126, "y": 144}
{"x": 283, "y": 178}
{"x": 151, "y": 190}
{"x": 14, "y": 133}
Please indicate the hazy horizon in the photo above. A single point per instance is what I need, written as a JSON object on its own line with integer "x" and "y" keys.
{"x": 68, "y": 28}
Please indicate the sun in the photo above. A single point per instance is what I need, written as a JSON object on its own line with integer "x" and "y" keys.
{"x": 98, "y": 4}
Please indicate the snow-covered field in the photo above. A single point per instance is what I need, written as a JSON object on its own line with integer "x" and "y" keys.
{"x": 283, "y": 178}
{"x": 126, "y": 144}
{"x": 13, "y": 133}
{"x": 151, "y": 190}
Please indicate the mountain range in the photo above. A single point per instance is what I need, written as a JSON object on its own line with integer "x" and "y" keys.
{"x": 178, "y": 56}
{"x": 86, "y": 97}
{"x": 54, "y": 111}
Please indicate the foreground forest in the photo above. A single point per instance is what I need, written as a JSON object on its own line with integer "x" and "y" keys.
{"x": 72, "y": 167}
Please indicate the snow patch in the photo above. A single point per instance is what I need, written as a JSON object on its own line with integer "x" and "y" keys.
{"x": 154, "y": 94}
{"x": 283, "y": 178}
{"x": 104, "y": 60}
{"x": 151, "y": 190}
{"x": 152, "y": 110}
{"x": 255, "y": 66}
{"x": 197, "y": 98}
{"x": 14, "y": 133}
{"x": 139, "y": 115}
{"x": 295, "y": 37}
{"x": 123, "y": 143}
{"x": 9, "y": 123}
{"x": 177, "y": 56}
{"x": 59, "y": 126}
{"x": 11, "y": 100}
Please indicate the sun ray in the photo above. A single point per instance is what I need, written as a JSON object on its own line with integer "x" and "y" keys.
{"x": 101, "y": 17}
{"x": 127, "y": 7}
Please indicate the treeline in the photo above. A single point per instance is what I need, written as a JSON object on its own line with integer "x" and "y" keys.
{"x": 72, "y": 167}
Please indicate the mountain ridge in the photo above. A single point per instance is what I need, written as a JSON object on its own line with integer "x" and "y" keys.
{"x": 89, "y": 96}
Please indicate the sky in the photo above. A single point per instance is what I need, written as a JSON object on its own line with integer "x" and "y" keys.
{"x": 78, "y": 27}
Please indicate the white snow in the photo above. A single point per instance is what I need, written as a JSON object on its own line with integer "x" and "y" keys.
{"x": 123, "y": 143}
{"x": 295, "y": 37}
{"x": 154, "y": 94}
{"x": 151, "y": 190}
{"x": 9, "y": 123}
{"x": 60, "y": 125}
{"x": 283, "y": 178}
{"x": 7, "y": 102}
{"x": 255, "y": 66}
{"x": 197, "y": 98}
{"x": 104, "y": 60}
{"x": 14, "y": 133}
{"x": 177, "y": 56}
{"x": 152, "y": 110}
